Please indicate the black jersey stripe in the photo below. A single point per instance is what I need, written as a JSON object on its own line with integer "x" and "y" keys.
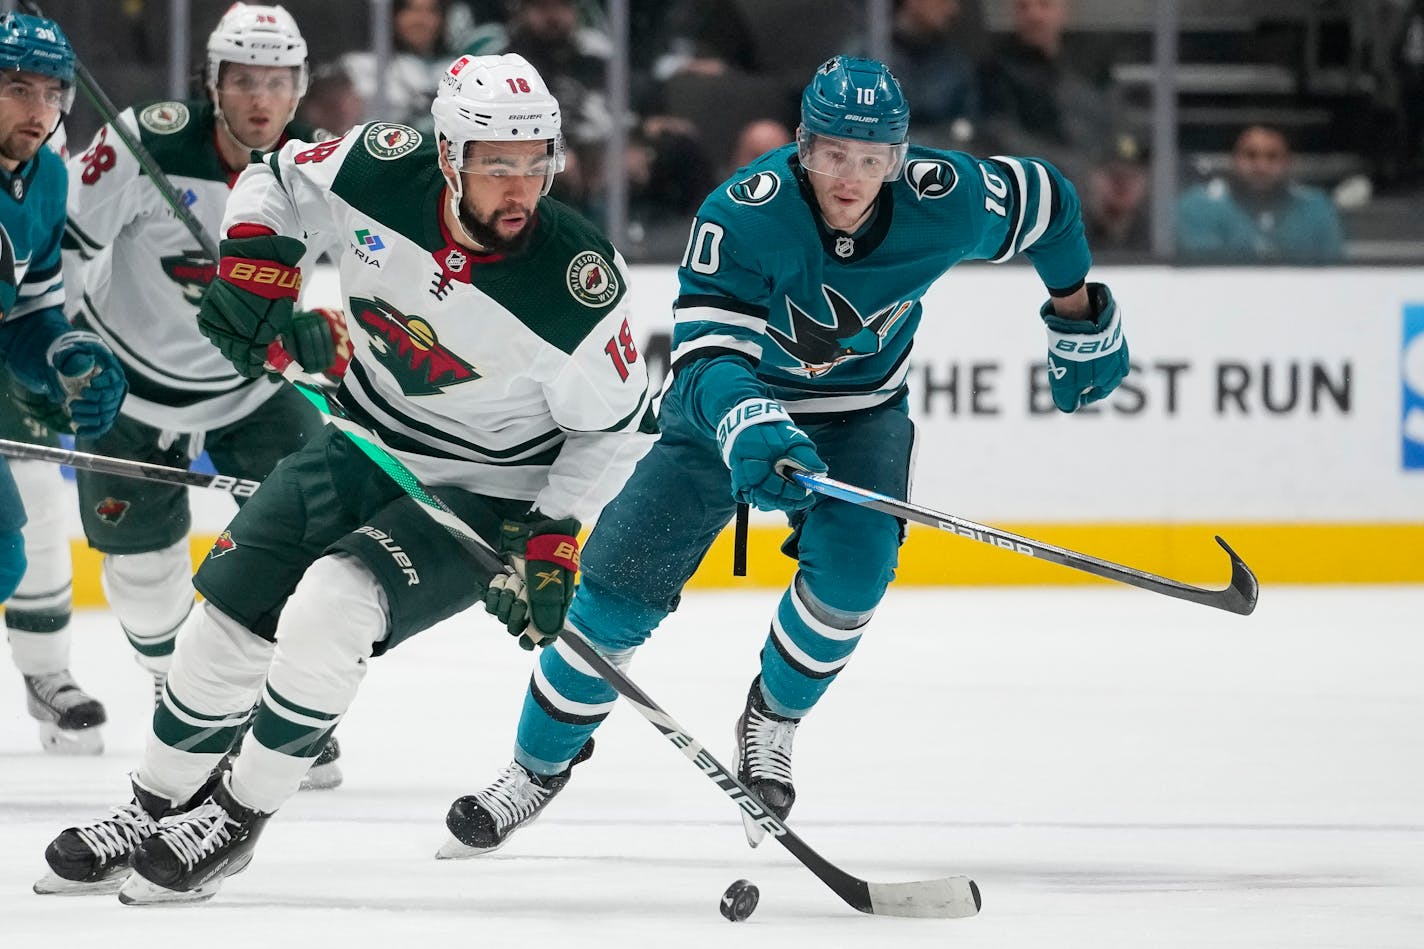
{"x": 425, "y": 439}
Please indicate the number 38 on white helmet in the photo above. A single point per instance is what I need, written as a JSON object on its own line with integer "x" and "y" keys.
{"x": 497, "y": 99}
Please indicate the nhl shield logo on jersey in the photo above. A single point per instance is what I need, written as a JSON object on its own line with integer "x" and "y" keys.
{"x": 222, "y": 545}
{"x": 388, "y": 141}
{"x": 930, "y": 177}
{"x": 191, "y": 270}
{"x": 408, "y": 348}
{"x": 591, "y": 280}
{"x": 164, "y": 118}
{"x": 757, "y": 189}
{"x": 112, "y": 510}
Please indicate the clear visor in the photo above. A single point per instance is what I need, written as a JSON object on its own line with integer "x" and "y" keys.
{"x": 520, "y": 159}
{"x": 32, "y": 90}
{"x": 849, "y": 157}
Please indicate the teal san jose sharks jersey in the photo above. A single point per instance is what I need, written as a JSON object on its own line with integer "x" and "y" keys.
{"x": 31, "y": 278}
{"x": 826, "y": 319}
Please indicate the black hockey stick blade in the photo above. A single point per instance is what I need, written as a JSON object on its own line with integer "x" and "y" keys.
{"x": 945, "y": 898}
{"x": 953, "y": 897}
{"x": 127, "y": 468}
{"x": 1239, "y": 596}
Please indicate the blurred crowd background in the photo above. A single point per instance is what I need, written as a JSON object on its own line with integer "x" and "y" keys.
{"x": 1196, "y": 131}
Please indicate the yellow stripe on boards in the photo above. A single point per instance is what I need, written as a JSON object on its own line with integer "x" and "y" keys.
{"x": 1278, "y": 553}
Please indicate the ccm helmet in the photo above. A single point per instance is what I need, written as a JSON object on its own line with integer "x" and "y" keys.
{"x": 859, "y": 100}
{"x": 496, "y": 99}
{"x": 257, "y": 36}
{"x": 37, "y": 45}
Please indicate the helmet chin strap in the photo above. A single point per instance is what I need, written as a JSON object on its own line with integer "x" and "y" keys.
{"x": 457, "y": 192}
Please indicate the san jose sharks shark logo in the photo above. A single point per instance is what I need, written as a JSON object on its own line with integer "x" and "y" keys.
{"x": 755, "y": 189}
{"x": 407, "y": 346}
{"x": 931, "y": 177}
{"x": 191, "y": 270}
{"x": 820, "y": 348}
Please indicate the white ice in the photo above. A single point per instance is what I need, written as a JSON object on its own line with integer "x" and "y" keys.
{"x": 1114, "y": 768}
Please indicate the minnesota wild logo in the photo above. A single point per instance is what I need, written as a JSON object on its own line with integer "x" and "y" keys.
{"x": 191, "y": 270}
{"x": 407, "y": 346}
{"x": 820, "y": 348}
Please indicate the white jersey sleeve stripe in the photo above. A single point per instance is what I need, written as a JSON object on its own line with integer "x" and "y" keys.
{"x": 1020, "y": 198}
{"x": 1045, "y": 207}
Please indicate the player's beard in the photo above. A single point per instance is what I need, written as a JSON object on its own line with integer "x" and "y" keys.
{"x": 486, "y": 232}
{"x": 20, "y": 149}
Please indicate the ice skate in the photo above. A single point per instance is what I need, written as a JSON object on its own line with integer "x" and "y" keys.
{"x": 191, "y": 854}
{"x": 481, "y": 823}
{"x": 69, "y": 717}
{"x": 325, "y": 772}
{"x": 94, "y": 857}
{"x": 764, "y": 759}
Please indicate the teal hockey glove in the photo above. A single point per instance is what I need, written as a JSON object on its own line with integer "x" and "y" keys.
{"x": 753, "y": 436}
{"x": 88, "y": 380}
{"x": 1086, "y": 358}
{"x": 533, "y": 601}
{"x": 249, "y": 304}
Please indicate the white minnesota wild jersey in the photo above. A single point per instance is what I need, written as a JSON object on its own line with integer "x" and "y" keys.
{"x": 135, "y": 273}
{"x": 516, "y": 375}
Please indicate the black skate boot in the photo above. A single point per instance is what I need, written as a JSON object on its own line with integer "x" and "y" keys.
{"x": 325, "y": 772}
{"x": 483, "y": 821}
{"x": 764, "y": 759}
{"x": 94, "y": 858}
{"x": 69, "y": 717}
{"x": 191, "y": 854}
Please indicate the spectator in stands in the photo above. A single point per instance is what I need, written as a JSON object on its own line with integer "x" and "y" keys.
{"x": 331, "y": 102}
{"x": 407, "y": 83}
{"x": 1256, "y": 213}
{"x": 1037, "y": 101}
{"x": 936, "y": 71}
{"x": 1115, "y": 201}
{"x": 757, "y": 137}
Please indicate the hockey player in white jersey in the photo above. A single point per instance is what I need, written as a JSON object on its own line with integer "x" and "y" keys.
{"x": 143, "y": 273}
{"x": 492, "y": 354}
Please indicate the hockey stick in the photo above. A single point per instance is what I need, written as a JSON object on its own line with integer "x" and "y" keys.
{"x": 109, "y": 114}
{"x": 124, "y": 468}
{"x": 945, "y": 898}
{"x": 1237, "y": 597}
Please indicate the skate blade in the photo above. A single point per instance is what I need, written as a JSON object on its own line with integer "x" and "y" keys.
{"x": 53, "y": 885}
{"x": 137, "y": 891}
{"x": 83, "y": 742}
{"x": 755, "y": 832}
{"x": 453, "y": 849}
{"x": 322, "y": 777}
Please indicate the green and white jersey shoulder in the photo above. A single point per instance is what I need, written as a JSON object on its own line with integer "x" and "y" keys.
{"x": 138, "y": 273}
{"x": 511, "y": 375}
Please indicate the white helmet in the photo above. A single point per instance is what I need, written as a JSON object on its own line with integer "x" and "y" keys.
{"x": 258, "y": 36}
{"x": 496, "y": 99}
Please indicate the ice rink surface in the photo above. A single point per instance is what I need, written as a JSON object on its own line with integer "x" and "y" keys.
{"x": 1114, "y": 768}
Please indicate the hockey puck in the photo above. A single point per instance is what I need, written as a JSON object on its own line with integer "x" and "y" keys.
{"x": 740, "y": 900}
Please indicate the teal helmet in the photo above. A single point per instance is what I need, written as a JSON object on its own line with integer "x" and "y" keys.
{"x": 856, "y": 98}
{"x": 37, "y": 45}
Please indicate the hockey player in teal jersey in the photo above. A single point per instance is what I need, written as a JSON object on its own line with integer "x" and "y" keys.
{"x": 73, "y": 371}
{"x": 799, "y": 300}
